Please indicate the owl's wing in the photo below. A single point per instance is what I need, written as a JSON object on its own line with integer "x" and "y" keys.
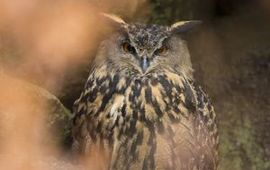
{"x": 81, "y": 139}
{"x": 205, "y": 129}
{"x": 84, "y": 123}
{"x": 192, "y": 142}
{"x": 90, "y": 112}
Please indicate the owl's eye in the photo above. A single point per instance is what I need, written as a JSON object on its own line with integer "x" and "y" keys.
{"x": 128, "y": 48}
{"x": 161, "y": 50}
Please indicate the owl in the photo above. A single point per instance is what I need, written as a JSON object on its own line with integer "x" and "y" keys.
{"x": 141, "y": 107}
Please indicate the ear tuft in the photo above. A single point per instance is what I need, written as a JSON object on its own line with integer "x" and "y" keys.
{"x": 184, "y": 26}
{"x": 114, "y": 18}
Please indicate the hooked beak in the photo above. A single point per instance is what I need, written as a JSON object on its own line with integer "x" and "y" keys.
{"x": 144, "y": 63}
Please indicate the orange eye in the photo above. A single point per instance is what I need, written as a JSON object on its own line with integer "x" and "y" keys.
{"x": 161, "y": 50}
{"x": 128, "y": 48}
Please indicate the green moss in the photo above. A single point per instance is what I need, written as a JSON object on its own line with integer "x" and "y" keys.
{"x": 238, "y": 147}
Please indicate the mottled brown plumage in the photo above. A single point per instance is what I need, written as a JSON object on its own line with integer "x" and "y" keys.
{"x": 141, "y": 107}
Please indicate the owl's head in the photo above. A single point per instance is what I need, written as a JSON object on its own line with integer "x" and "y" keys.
{"x": 144, "y": 49}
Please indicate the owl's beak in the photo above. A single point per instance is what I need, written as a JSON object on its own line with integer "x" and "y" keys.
{"x": 144, "y": 63}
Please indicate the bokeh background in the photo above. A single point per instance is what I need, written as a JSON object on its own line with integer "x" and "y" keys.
{"x": 46, "y": 48}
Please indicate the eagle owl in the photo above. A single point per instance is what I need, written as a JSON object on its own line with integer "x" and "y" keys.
{"x": 141, "y": 107}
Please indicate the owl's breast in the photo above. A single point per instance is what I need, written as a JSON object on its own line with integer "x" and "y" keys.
{"x": 112, "y": 98}
{"x": 146, "y": 98}
{"x": 117, "y": 101}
